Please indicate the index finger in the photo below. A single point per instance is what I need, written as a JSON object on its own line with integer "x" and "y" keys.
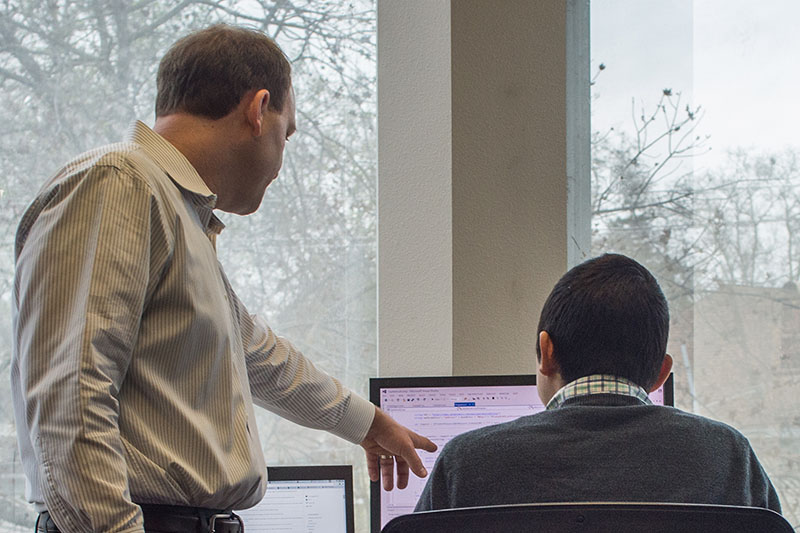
{"x": 411, "y": 457}
{"x": 423, "y": 443}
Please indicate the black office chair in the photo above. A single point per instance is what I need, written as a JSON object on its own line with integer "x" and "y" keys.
{"x": 611, "y": 517}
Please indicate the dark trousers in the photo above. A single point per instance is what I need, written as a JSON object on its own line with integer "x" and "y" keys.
{"x": 170, "y": 519}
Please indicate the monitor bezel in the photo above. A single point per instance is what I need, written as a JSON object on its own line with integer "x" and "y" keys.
{"x": 376, "y": 384}
{"x": 669, "y": 390}
{"x": 319, "y": 472}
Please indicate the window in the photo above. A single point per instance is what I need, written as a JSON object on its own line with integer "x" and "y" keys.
{"x": 75, "y": 74}
{"x": 696, "y": 173}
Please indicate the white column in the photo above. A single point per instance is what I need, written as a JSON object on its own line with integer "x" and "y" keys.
{"x": 415, "y": 303}
{"x": 474, "y": 218}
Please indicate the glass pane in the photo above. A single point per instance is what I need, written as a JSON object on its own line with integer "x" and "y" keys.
{"x": 696, "y": 173}
{"x": 75, "y": 74}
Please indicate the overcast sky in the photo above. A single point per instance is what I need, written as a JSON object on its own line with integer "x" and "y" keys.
{"x": 738, "y": 59}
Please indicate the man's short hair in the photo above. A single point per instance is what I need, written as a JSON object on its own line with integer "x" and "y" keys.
{"x": 607, "y": 316}
{"x": 207, "y": 72}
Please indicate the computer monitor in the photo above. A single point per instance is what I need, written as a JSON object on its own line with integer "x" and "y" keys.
{"x": 443, "y": 407}
{"x": 304, "y": 499}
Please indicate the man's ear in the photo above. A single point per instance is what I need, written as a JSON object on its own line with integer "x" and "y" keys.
{"x": 663, "y": 374}
{"x": 256, "y": 106}
{"x": 547, "y": 363}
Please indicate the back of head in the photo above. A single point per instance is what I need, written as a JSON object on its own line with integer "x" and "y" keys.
{"x": 607, "y": 316}
{"x": 208, "y": 72}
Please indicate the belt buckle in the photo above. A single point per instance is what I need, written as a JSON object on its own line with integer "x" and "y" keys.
{"x": 212, "y": 522}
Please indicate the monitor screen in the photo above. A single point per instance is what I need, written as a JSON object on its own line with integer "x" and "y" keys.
{"x": 443, "y": 407}
{"x": 304, "y": 499}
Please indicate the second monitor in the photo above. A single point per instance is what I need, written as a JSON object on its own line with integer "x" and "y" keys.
{"x": 443, "y": 407}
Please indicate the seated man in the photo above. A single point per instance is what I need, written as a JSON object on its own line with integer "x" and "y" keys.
{"x": 602, "y": 347}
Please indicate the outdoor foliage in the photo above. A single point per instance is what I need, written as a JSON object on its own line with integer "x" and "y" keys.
{"x": 74, "y": 75}
{"x": 723, "y": 242}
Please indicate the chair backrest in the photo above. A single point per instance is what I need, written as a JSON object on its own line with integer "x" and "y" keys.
{"x": 610, "y": 517}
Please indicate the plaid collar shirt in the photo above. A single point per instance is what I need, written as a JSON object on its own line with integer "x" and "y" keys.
{"x": 598, "y": 384}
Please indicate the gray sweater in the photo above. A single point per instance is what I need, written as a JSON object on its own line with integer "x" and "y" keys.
{"x": 600, "y": 448}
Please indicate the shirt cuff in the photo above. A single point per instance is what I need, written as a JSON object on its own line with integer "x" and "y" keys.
{"x": 356, "y": 421}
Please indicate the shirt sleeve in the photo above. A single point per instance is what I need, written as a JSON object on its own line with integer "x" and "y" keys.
{"x": 285, "y": 382}
{"x": 83, "y": 266}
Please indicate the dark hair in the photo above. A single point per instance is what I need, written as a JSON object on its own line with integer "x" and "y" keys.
{"x": 607, "y": 316}
{"x": 209, "y": 71}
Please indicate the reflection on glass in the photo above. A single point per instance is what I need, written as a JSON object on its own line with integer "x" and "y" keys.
{"x": 75, "y": 74}
{"x": 696, "y": 173}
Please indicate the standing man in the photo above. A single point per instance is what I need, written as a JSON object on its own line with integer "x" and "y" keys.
{"x": 135, "y": 365}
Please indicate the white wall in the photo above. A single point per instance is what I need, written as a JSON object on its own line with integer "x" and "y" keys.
{"x": 474, "y": 195}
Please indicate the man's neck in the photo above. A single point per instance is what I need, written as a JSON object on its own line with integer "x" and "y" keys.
{"x": 203, "y": 142}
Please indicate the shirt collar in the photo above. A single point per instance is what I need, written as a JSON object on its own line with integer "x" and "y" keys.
{"x": 598, "y": 384}
{"x": 180, "y": 171}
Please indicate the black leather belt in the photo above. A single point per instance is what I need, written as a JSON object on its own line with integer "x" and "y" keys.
{"x": 177, "y": 519}
{"x": 171, "y": 519}
{"x": 45, "y": 524}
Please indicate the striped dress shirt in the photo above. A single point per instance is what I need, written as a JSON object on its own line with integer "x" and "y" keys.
{"x": 134, "y": 361}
